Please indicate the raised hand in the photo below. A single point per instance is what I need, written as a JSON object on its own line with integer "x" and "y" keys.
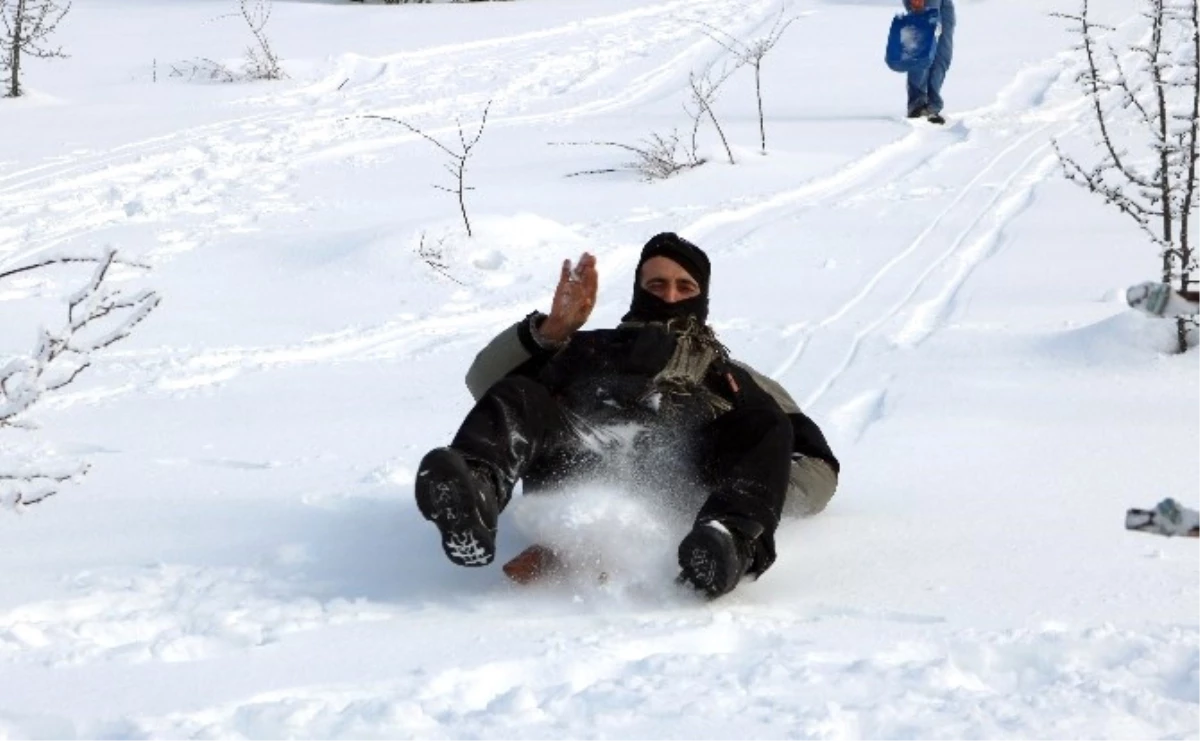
{"x": 574, "y": 299}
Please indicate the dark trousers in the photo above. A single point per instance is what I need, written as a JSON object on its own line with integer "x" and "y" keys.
{"x": 742, "y": 457}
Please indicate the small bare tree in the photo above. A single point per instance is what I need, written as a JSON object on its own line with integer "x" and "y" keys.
{"x": 1146, "y": 106}
{"x": 28, "y": 24}
{"x": 97, "y": 316}
{"x": 261, "y": 61}
{"x": 752, "y": 54}
{"x": 459, "y": 158}
{"x": 704, "y": 87}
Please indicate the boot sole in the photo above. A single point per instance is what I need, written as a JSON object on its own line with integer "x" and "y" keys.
{"x": 446, "y": 497}
{"x": 705, "y": 560}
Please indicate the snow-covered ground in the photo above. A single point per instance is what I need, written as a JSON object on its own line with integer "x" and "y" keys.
{"x": 244, "y": 558}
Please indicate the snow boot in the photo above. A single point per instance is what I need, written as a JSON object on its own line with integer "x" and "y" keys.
{"x": 715, "y": 555}
{"x": 920, "y": 112}
{"x": 935, "y": 118}
{"x": 460, "y": 497}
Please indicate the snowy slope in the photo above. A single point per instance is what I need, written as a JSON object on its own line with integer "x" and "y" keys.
{"x": 244, "y": 558}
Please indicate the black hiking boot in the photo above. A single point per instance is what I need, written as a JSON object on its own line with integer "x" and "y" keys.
{"x": 936, "y": 118}
{"x": 459, "y": 496}
{"x": 714, "y": 556}
{"x": 919, "y": 112}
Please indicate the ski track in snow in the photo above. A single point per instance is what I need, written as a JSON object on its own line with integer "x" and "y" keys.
{"x": 924, "y": 276}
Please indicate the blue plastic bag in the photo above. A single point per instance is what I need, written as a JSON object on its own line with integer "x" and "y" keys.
{"x": 912, "y": 41}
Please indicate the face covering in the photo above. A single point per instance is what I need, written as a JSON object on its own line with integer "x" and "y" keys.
{"x": 646, "y": 307}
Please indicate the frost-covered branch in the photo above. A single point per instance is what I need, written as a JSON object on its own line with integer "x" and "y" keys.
{"x": 1096, "y": 86}
{"x": 23, "y": 485}
{"x": 261, "y": 61}
{"x": 27, "y": 26}
{"x": 97, "y": 316}
{"x": 1096, "y": 180}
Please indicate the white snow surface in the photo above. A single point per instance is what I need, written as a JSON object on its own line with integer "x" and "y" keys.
{"x": 244, "y": 558}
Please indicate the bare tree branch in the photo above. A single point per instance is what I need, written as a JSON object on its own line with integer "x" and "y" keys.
{"x": 1129, "y": 99}
{"x": 459, "y": 159}
{"x": 27, "y": 486}
{"x": 752, "y": 54}
{"x": 1095, "y": 87}
{"x": 656, "y": 158}
{"x": 97, "y": 316}
{"x": 61, "y": 356}
{"x": 705, "y": 87}
{"x": 1190, "y": 150}
{"x": 434, "y": 257}
{"x": 261, "y": 61}
{"x": 205, "y": 68}
{"x": 64, "y": 260}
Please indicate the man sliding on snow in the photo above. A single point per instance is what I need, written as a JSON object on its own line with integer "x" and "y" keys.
{"x": 553, "y": 401}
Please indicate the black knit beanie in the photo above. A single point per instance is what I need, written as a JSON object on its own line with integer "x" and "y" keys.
{"x": 691, "y": 257}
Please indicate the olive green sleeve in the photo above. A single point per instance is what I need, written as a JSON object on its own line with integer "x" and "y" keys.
{"x": 772, "y": 387}
{"x": 507, "y": 352}
{"x": 500, "y": 356}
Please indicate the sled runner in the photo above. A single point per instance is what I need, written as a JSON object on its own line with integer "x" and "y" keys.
{"x": 536, "y": 563}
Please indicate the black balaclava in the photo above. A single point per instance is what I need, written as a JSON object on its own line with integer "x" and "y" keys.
{"x": 646, "y": 307}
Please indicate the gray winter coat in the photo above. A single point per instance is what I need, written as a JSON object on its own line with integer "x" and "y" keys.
{"x": 812, "y": 482}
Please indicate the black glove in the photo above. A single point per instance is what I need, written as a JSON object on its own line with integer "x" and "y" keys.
{"x": 735, "y": 383}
